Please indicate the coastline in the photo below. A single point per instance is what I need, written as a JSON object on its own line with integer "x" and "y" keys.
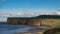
{"x": 35, "y": 30}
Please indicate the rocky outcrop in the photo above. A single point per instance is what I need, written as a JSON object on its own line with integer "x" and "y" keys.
{"x": 52, "y": 31}
{"x": 23, "y": 21}
{"x": 42, "y": 20}
{"x": 34, "y": 22}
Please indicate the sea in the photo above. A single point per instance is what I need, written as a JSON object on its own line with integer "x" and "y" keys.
{"x": 11, "y": 29}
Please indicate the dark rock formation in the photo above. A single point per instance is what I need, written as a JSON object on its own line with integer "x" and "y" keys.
{"x": 52, "y": 31}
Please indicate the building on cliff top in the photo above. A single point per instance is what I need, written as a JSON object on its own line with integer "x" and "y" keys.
{"x": 30, "y": 20}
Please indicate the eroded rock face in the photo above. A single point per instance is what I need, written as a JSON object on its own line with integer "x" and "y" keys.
{"x": 24, "y": 21}
{"x": 34, "y": 22}
{"x": 42, "y": 20}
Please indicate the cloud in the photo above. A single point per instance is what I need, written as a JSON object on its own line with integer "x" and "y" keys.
{"x": 58, "y": 13}
{"x": 28, "y": 14}
{"x": 2, "y": 19}
{"x": 4, "y": 16}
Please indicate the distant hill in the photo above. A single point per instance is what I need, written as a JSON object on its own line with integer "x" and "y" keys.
{"x": 49, "y": 16}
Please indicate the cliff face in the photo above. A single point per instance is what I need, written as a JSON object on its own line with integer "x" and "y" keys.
{"x": 42, "y": 20}
{"x": 34, "y": 22}
{"x": 24, "y": 21}
{"x": 12, "y": 21}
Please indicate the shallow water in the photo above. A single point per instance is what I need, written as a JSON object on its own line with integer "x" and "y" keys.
{"x": 11, "y": 29}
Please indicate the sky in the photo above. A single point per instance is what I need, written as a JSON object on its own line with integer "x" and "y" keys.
{"x": 28, "y": 8}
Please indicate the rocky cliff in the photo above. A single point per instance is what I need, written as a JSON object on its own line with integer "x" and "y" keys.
{"x": 39, "y": 20}
{"x": 24, "y": 21}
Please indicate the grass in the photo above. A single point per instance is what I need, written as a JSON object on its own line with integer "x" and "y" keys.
{"x": 51, "y": 22}
{"x": 57, "y": 33}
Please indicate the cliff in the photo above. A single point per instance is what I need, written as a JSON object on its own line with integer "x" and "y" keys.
{"x": 23, "y": 20}
{"x": 39, "y": 20}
